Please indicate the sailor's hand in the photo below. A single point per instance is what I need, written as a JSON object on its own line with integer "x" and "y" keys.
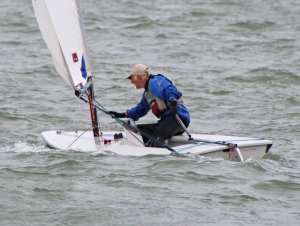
{"x": 173, "y": 107}
{"x": 117, "y": 114}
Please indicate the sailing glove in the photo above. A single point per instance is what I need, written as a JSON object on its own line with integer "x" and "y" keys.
{"x": 117, "y": 114}
{"x": 173, "y": 107}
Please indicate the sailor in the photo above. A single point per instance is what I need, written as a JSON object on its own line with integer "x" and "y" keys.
{"x": 163, "y": 99}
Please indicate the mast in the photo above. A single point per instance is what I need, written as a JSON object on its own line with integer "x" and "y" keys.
{"x": 93, "y": 109}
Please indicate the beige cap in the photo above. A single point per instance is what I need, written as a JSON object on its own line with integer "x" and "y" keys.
{"x": 139, "y": 69}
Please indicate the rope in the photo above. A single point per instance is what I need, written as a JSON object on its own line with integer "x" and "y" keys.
{"x": 79, "y": 136}
{"x": 133, "y": 134}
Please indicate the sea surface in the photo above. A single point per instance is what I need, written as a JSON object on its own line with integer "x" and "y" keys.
{"x": 237, "y": 63}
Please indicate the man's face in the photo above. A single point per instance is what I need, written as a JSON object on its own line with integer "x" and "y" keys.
{"x": 137, "y": 81}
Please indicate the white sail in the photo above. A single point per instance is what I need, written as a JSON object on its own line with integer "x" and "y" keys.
{"x": 60, "y": 23}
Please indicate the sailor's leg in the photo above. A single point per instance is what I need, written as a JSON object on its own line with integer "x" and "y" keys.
{"x": 167, "y": 128}
{"x": 149, "y": 129}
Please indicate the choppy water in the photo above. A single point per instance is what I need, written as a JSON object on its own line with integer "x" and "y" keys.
{"x": 237, "y": 63}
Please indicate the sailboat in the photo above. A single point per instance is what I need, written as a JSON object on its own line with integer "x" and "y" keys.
{"x": 60, "y": 23}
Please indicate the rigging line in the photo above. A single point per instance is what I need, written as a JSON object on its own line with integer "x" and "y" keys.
{"x": 129, "y": 127}
{"x": 122, "y": 123}
{"x": 100, "y": 105}
{"x": 132, "y": 133}
{"x": 79, "y": 136}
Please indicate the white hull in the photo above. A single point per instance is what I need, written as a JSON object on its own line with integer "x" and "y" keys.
{"x": 128, "y": 145}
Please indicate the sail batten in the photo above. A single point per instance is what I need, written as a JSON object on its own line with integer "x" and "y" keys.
{"x": 60, "y": 23}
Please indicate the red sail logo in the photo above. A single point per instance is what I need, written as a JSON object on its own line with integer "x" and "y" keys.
{"x": 75, "y": 57}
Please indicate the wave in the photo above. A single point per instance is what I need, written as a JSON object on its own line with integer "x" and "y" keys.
{"x": 251, "y": 25}
{"x": 23, "y": 147}
{"x": 265, "y": 74}
{"x": 284, "y": 185}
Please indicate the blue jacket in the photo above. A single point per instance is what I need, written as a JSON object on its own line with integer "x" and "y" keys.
{"x": 162, "y": 88}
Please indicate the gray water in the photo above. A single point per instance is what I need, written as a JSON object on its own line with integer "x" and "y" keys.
{"x": 238, "y": 66}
